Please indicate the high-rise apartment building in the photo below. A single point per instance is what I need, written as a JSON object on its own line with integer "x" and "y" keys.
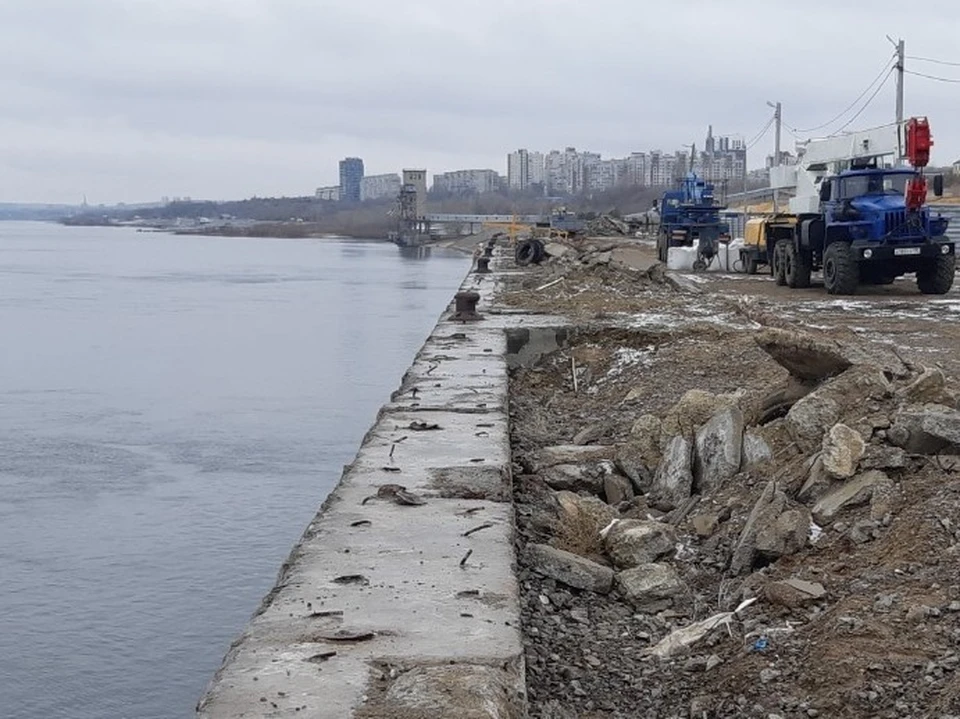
{"x": 375, "y": 187}
{"x": 351, "y": 173}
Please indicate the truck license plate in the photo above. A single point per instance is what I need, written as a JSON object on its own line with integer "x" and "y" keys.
{"x": 907, "y": 251}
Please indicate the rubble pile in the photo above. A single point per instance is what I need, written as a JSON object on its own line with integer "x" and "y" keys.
{"x": 607, "y": 226}
{"x": 786, "y": 548}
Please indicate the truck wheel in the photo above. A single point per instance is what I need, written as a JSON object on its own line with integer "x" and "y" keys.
{"x": 935, "y": 277}
{"x": 796, "y": 267}
{"x": 662, "y": 247}
{"x": 780, "y": 262}
{"x": 841, "y": 275}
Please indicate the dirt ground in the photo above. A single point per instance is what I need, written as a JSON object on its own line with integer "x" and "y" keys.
{"x": 882, "y": 641}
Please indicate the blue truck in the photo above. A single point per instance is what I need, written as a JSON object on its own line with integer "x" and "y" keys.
{"x": 690, "y": 217}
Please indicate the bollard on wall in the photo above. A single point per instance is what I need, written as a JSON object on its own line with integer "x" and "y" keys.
{"x": 488, "y": 251}
{"x": 483, "y": 266}
{"x": 465, "y": 306}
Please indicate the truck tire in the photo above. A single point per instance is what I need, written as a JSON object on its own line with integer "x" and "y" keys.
{"x": 779, "y": 262}
{"x": 797, "y": 267}
{"x": 936, "y": 276}
{"x": 663, "y": 246}
{"x": 841, "y": 275}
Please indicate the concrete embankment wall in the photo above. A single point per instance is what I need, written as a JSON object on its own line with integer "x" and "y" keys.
{"x": 395, "y": 610}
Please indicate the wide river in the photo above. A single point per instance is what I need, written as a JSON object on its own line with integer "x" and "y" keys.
{"x": 173, "y": 410}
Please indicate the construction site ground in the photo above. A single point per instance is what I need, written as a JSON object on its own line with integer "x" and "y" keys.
{"x": 878, "y": 635}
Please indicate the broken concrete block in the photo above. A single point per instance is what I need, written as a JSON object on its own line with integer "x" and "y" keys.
{"x": 852, "y": 493}
{"x": 804, "y": 356}
{"x": 883, "y": 456}
{"x": 650, "y": 587}
{"x": 632, "y": 542}
{"x": 842, "y": 449}
{"x": 814, "y": 358}
{"x": 673, "y": 482}
{"x": 571, "y": 569}
{"x": 719, "y": 446}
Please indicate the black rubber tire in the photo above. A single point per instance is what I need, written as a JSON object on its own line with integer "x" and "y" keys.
{"x": 524, "y": 253}
{"x": 539, "y": 251}
{"x": 841, "y": 274}
{"x": 936, "y": 277}
{"x": 779, "y": 262}
{"x": 796, "y": 267}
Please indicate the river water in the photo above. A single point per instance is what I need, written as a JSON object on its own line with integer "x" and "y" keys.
{"x": 173, "y": 410}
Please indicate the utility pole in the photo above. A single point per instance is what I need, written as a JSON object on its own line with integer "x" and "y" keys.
{"x": 776, "y": 149}
{"x": 901, "y": 56}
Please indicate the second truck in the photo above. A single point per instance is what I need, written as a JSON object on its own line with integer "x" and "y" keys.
{"x": 855, "y": 219}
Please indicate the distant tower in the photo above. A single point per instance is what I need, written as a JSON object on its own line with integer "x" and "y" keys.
{"x": 351, "y": 172}
{"x": 417, "y": 180}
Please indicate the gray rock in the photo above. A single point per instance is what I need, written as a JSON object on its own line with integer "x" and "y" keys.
{"x": 908, "y": 431}
{"x": 842, "y": 449}
{"x": 566, "y": 476}
{"x": 705, "y": 524}
{"x": 784, "y": 536}
{"x": 632, "y": 542}
{"x": 719, "y": 446}
{"x": 466, "y": 691}
{"x": 883, "y": 456}
{"x": 809, "y": 418}
{"x": 637, "y": 458}
{"x": 852, "y": 493}
{"x": 556, "y": 249}
{"x": 818, "y": 482}
{"x": 583, "y": 515}
{"x": 755, "y": 450}
{"x": 673, "y": 482}
{"x": 617, "y": 489}
{"x": 650, "y": 587}
{"x": 691, "y": 411}
{"x": 572, "y": 570}
{"x": 944, "y": 424}
{"x": 928, "y": 387}
{"x": 764, "y": 513}
{"x": 569, "y": 454}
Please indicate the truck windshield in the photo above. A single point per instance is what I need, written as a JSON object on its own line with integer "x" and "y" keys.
{"x": 878, "y": 184}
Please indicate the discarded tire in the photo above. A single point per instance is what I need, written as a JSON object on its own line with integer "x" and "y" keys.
{"x": 529, "y": 252}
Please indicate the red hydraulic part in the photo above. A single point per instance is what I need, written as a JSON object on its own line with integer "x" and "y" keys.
{"x": 919, "y": 142}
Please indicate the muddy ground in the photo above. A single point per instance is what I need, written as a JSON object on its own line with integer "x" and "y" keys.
{"x": 882, "y": 638}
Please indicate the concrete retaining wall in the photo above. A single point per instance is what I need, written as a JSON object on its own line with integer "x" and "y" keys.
{"x": 390, "y": 610}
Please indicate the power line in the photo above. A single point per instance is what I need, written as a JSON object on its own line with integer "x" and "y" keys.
{"x": 933, "y": 60}
{"x": 762, "y": 133}
{"x": 932, "y": 77}
{"x": 886, "y": 67}
{"x": 866, "y": 104}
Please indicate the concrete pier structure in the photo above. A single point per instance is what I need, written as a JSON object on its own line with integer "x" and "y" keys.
{"x": 389, "y": 609}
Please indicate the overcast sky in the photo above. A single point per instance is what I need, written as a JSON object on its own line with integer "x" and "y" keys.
{"x": 129, "y": 100}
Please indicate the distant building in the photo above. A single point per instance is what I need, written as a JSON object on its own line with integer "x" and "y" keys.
{"x": 467, "y": 182}
{"x": 956, "y": 167}
{"x": 328, "y": 193}
{"x": 375, "y": 187}
{"x": 351, "y": 173}
{"x": 416, "y": 180}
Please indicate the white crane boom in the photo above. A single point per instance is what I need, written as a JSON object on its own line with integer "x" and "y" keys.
{"x": 819, "y": 158}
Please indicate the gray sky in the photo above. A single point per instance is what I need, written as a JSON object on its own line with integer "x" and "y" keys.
{"x": 129, "y": 100}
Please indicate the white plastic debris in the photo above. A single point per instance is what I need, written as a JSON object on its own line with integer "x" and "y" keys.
{"x": 727, "y": 258}
{"x": 684, "y": 637}
{"x": 816, "y": 531}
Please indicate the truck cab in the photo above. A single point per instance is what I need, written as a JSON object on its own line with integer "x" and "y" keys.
{"x": 690, "y": 216}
